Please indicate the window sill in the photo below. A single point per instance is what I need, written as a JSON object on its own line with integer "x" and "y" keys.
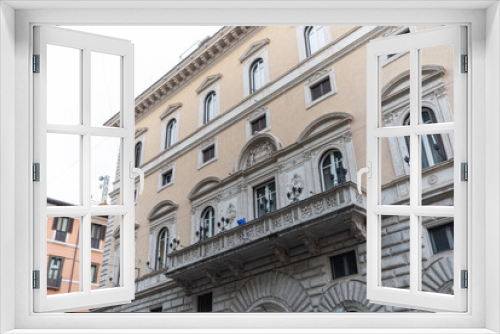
{"x": 164, "y": 187}
{"x": 203, "y": 165}
{"x": 320, "y": 99}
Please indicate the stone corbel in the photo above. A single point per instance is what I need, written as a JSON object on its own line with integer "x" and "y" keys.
{"x": 311, "y": 243}
{"x": 185, "y": 284}
{"x": 212, "y": 275}
{"x": 358, "y": 227}
{"x": 235, "y": 268}
{"x": 281, "y": 252}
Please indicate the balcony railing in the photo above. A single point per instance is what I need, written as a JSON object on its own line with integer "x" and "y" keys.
{"x": 310, "y": 210}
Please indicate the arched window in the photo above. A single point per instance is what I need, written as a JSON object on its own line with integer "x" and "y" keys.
{"x": 138, "y": 153}
{"x": 171, "y": 133}
{"x": 209, "y": 112}
{"x": 315, "y": 39}
{"x": 161, "y": 249}
{"x": 332, "y": 169}
{"x": 256, "y": 75}
{"x": 432, "y": 145}
{"x": 207, "y": 223}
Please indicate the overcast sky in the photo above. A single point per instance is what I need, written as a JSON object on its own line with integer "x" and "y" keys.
{"x": 156, "y": 51}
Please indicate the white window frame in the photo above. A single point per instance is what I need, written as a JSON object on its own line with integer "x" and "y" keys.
{"x": 13, "y": 64}
{"x": 415, "y": 297}
{"x": 164, "y": 133}
{"x": 87, "y": 43}
{"x": 247, "y": 63}
{"x": 301, "y": 41}
{"x": 261, "y": 112}
{"x": 212, "y": 142}
{"x": 316, "y": 79}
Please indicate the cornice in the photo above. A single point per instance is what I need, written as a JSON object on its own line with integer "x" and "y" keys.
{"x": 206, "y": 55}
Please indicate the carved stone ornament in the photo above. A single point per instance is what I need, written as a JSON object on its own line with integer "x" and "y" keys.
{"x": 230, "y": 212}
{"x": 296, "y": 181}
{"x": 311, "y": 243}
{"x": 261, "y": 152}
{"x": 281, "y": 253}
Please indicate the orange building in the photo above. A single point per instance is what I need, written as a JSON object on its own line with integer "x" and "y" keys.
{"x": 63, "y": 251}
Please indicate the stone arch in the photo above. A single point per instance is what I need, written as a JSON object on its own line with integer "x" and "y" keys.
{"x": 322, "y": 124}
{"x": 350, "y": 293}
{"x": 260, "y": 148}
{"x": 438, "y": 274}
{"x": 204, "y": 185}
{"x": 161, "y": 209}
{"x": 272, "y": 287}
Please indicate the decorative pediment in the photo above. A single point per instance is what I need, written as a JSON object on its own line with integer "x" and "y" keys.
{"x": 203, "y": 186}
{"x": 116, "y": 232}
{"x": 207, "y": 82}
{"x": 161, "y": 209}
{"x": 318, "y": 74}
{"x": 322, "y": 124}
{"x": 401, "y": 83}
{"x": 170, "y": 109}
{"x": 259, "y": 149}
{"x": 140, "y": 131}
{"x": 254, "y": 47}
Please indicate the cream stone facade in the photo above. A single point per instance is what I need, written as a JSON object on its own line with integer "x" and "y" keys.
{"x": 300, "y": 246}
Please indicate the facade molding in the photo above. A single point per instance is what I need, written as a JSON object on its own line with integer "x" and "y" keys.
{"x": 279, "y": 86}
{"x": 207, "y": 82}
{"x": 254, "y": 47}
{"x": 272, "y": 285}
{"x": 163, "y": 208}
{"x": 205, "y": 185}
{"x": 170, "y": 109}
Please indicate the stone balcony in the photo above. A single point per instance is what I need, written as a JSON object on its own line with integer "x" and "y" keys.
{"x": 303, "y": 223}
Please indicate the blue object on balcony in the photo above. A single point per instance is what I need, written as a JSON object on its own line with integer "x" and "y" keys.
{"x": 241, "y": 221}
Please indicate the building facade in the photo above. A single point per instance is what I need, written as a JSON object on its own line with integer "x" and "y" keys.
{"x": 250, "y": 148}
{"x": 63, "y": 251}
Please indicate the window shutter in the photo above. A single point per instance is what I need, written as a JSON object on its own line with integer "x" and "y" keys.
{"x": 70, "y": 225}
{"x": 54, "y": 223}
{"x": 103, "y": 232}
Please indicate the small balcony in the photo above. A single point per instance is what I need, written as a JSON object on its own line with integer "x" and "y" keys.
{"x": 302, "y": 223}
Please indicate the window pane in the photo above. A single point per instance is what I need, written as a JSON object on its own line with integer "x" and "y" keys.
{"x": 105, "y": 89}
{"x": 437, "y": 254}
{"x": 395, "y": 251}
{"x": 395, "y": 89}
{"x": 63, "y": 85}
{"x": 105, "y": 155}
{"x": 63, "y": 253}
{"x": 437, "y": 83}
{"x": 395, "y": 171}
{"x": 437, "y": 169}
{"x": 63, "y": 168}
{"x": 105, "y": 236}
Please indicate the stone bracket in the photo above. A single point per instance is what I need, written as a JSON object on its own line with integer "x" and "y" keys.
{"x": 185, "y": 284}
{"x": 311, "y": 243}
{"x": 212, "y": 275}
{"x": 281, "y": 252}
{"x": 358, "y": 227}
{"x": 235, "y": 268}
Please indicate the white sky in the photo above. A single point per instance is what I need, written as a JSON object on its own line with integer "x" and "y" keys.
{"x": 157, "y": 50}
